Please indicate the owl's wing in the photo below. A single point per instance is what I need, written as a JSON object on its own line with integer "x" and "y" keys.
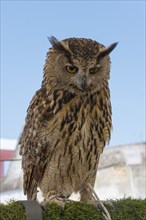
{"x": 33, "y": 145}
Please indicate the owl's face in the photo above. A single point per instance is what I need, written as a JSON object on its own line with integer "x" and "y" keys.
{"x": 78, "y": 64}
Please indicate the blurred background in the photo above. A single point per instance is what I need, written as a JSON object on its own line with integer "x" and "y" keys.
{"x": 25, "y": 26}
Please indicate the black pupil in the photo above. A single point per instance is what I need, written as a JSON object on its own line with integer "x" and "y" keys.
{"x": 72, "y": 68}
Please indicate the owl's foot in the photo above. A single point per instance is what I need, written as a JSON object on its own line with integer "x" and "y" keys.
{"x": 89, "y": 196}
{"x": 51, "y": 197}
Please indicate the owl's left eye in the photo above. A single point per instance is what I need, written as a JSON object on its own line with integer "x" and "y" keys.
{"x": 95, "y": 69}
{"x": 71, "y": 69}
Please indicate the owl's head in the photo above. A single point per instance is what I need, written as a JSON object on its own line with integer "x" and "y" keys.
{"x": 77, "y": 64}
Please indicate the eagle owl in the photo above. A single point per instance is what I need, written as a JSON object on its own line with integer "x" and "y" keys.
{"x": 68, "y": 121}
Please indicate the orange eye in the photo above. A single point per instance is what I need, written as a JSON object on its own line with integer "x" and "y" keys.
{"x": 71, "y": 69}
{"x": 95, "y": 69}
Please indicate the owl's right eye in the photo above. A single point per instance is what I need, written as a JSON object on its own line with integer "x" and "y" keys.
{"x": 95, "y": 69}
{"x": 71, "y": 69}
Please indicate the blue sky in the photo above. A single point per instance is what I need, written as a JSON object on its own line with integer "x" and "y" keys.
{"x": 25, "y": 26}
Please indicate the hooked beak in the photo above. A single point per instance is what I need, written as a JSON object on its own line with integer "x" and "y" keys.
{"x": 83, "y": 83}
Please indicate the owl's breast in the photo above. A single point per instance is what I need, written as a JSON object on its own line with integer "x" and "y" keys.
{"x": 76, "y": 135}
{"x": 80, "y": 121}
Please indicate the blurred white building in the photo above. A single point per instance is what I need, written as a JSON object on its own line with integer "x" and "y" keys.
{"x": 121, "y": 173}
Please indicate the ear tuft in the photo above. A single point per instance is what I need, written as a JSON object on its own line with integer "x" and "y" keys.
{"x": 53, "y": 40}
{"x": 112, "y": 46}
{"x": 55, "y": 43}
{"x": 60, "y": 46}
{"x": 105, "y": 51}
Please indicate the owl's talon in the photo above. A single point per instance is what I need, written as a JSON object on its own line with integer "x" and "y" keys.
{"x": 43, "y": 205}
{"x": 62, "y": 206}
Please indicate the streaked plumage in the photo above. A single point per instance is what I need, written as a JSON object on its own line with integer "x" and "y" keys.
{"x": 68, "y": 120}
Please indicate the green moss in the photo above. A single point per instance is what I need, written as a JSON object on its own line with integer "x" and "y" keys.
{"x": 127, "y": 209}
{"x": 80, "y": 211}
{"x": 124, "y": 209}
{"x": 53, "y": 212}
{"x": 13, "y": 210}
